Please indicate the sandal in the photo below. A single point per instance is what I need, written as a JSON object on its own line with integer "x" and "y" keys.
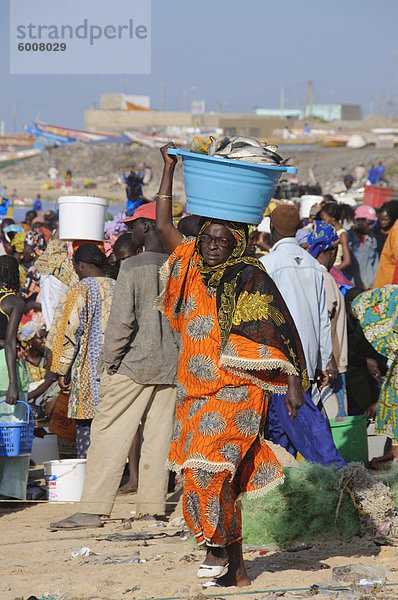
{"x": 212, "y": 571}
{"x": 77, "y": 521}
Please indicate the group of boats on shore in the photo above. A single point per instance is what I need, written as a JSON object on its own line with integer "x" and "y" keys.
{"x": 14, "y": 148}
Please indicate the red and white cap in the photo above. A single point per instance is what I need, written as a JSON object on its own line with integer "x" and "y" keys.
{"x": 145, "y": 211}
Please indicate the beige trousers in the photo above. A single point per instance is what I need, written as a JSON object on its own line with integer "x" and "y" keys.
{"x": 122, "y": 406}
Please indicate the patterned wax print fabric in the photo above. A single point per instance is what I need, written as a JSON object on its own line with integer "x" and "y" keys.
{"x": 36, "y": 240}
{"x": 22, "y": 276}
{"x": 75, "y": 340}
{"x": 322, "y": 237}
{"x": 31, "y": 287}
{"x": 55, "y": 261}
{"x": 377, "y": 313}
{"x": 36, "y": 373}
{"x": 83, "y": 438}
{"x": 226, "y": 371}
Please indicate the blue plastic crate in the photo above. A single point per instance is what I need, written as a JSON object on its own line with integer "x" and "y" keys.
{"x": 16, "y": 438}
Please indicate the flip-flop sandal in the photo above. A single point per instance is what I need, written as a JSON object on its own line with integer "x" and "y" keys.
{"x": 70, "y": 525}
{"x": 212, "y": 571}
{"x": 209, "y": 584}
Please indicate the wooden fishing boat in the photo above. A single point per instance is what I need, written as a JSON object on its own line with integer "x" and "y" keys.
{"x": 69, "y": 134}
{"x": 10, "y": 158}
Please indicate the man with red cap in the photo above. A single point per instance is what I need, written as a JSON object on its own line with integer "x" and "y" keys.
{"x": 145, "y": 211}
{"x": 140, "y": 358}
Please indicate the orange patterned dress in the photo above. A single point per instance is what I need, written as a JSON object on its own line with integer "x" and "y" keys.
{"x": 222, "y": 398}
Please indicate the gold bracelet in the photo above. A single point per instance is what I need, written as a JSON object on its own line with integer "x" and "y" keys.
{"x": 164, "y": 196}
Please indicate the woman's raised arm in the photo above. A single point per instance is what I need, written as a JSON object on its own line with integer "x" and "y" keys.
{"x": 169, "y": 235}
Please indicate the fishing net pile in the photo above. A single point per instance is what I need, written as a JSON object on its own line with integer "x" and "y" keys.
{"x": 372, "y": 499}
{"x": 316, "y": 502}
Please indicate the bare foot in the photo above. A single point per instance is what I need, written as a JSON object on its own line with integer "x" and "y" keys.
{"x": 236, "y": 574}
{"x": 216, "y": 557}
{"x": 237, "y": 579}
{"x": 128, "y": 488}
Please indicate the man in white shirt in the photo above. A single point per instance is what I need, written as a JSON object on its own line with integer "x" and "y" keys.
{"x": 323, "y": 243}
{"x": 299, "y": 279}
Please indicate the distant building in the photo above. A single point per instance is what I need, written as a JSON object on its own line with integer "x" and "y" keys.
{"x": 124, "y": 101}
{"x": 334, "y": 112}
{"x": 286, "y": 113}
{"x": 326, "y": 112}
{"x": 122, "y": 112}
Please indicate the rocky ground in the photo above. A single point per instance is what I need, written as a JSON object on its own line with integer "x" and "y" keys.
{"x": 105, "y": 164}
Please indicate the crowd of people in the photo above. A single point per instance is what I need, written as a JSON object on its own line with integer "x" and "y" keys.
{"x": 192, "y": 346}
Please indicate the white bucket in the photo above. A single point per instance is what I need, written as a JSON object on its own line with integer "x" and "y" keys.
{"x": 82, "y": 218}
{"x": 376, "y": 442}
{"x": 64, "y": 479}
{"x": 306, "y": 203}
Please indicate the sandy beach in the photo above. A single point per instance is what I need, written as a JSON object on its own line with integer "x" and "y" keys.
{"x": 36, "y": 561}
{"x": 149, "y": 559}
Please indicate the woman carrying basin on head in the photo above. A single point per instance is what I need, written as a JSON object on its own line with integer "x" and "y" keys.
{"x": 239, "y": 344}
{"x": 76, "y": 337}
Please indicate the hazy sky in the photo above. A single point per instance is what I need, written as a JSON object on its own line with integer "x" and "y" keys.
{"x": 237, "y": 53}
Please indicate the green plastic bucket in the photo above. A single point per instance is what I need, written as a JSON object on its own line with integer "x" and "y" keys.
{"x": 350, "y": 437}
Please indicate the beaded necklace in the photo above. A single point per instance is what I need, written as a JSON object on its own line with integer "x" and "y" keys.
{"x": 4, "y": 289}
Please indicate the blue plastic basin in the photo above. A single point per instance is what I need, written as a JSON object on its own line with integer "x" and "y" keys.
{"x": 227, "y": 189}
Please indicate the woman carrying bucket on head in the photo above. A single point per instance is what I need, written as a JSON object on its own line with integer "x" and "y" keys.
{"x": 76, "y": 336}
{"x": 238, "y": 345}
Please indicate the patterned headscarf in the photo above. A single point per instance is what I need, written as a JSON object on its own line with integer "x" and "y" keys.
{"x": 13, "y": 228}
{"x": 36, "y": 240}
{"x": 212, "y": 276}
{"x": 322, "y": 237}
{"x": 18, "y": 242}
{"x": 28, "y": 331}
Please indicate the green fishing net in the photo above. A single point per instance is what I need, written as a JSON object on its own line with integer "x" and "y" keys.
{"x": 389, "y": 477}
{"x": 303, "y": 508}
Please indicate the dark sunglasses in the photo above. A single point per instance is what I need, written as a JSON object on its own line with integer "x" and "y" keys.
{"x": 219, "y": 241}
